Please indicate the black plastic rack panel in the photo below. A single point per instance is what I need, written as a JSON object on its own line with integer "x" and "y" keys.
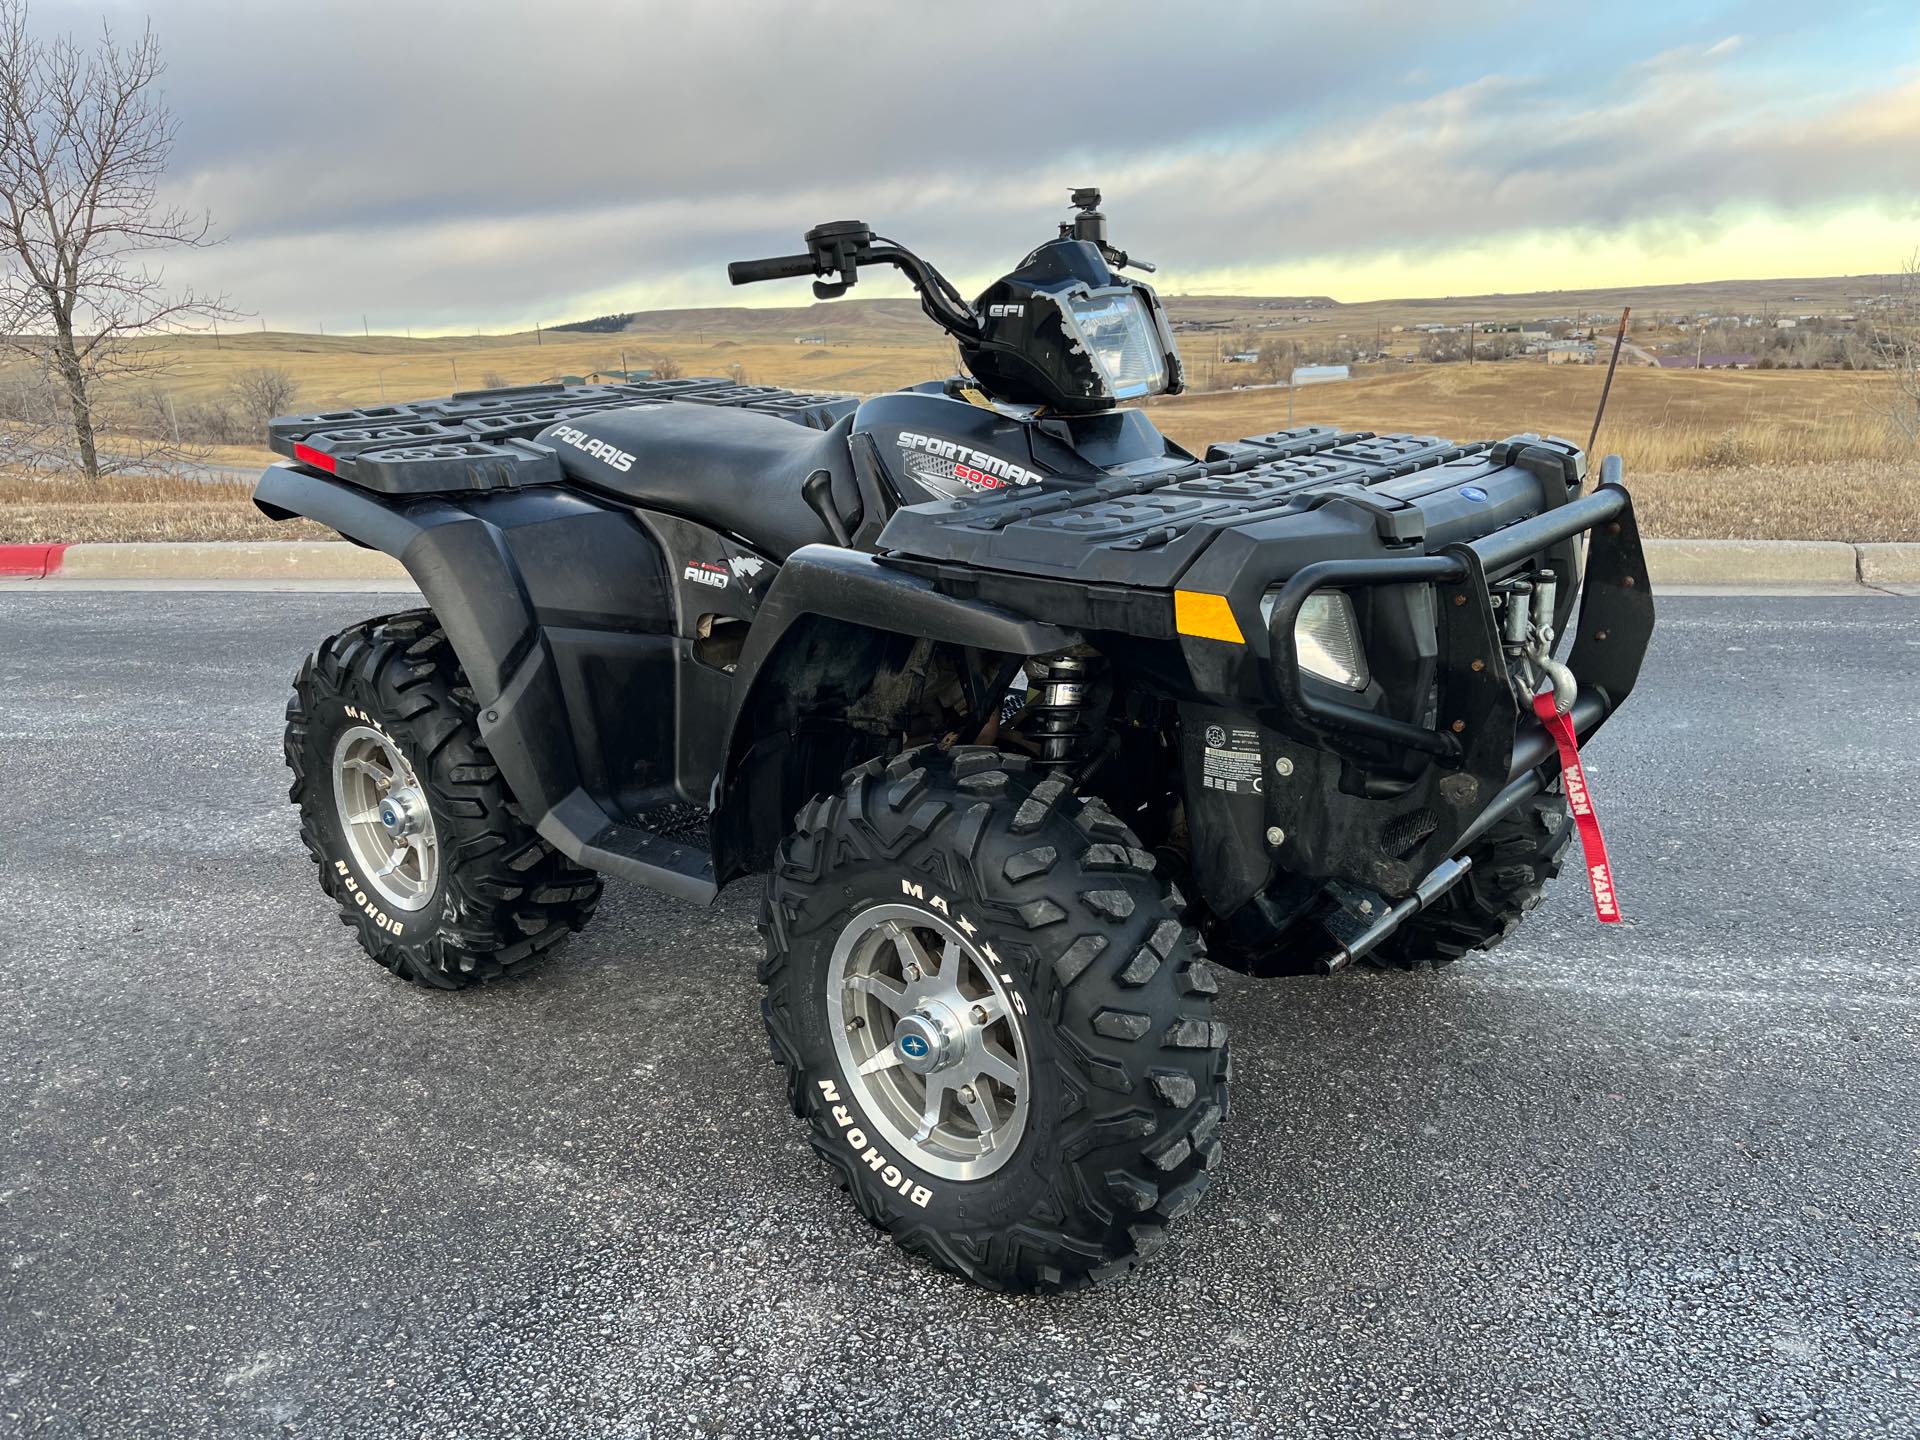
{"x": 483, "y": 439}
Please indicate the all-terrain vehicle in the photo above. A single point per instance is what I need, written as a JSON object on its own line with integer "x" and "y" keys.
{"x": 1020, "y": 706}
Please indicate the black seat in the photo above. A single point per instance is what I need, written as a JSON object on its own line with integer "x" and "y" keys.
{"x": 735, "y": 470}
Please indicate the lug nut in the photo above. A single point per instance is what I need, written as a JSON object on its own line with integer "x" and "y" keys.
{"x": 967, "y": 1096}
{"x": 979, "y": 1014}
{"x": 912, "y": 973}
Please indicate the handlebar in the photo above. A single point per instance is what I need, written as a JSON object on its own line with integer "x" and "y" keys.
{"x": 779, "y": 267}
{"x": 841, "y": 247}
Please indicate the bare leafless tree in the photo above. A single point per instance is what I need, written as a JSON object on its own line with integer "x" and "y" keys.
{"x": 1896, "y": 345}
{"x": 264, "y": 392}
{"x": 665, "y": 367}
{"x": 84, "y": 142}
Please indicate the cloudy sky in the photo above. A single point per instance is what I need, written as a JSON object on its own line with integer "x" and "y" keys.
{"x": 488, "y": 164}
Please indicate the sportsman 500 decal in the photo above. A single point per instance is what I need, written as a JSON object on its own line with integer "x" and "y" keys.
{"x": 942, "y": 465}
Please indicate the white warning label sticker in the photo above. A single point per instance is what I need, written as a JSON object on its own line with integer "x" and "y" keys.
{"x": 1232, "y": 760}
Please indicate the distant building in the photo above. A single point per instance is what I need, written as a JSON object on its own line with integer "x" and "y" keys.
{"x": 1320, "y": 374}
{"x": 809, "y": 339}
{"x": 1242, "y": 357}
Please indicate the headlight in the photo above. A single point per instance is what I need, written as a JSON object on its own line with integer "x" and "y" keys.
{"x": 1326, "y": 638}
{"x": 1115, "y": 329}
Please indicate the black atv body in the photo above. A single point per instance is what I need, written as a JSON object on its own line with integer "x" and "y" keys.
{"x": 642, "y": 582}
{"x": 1018, "y": 704}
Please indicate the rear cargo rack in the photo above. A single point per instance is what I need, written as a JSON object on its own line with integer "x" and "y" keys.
{"x": 483, "y": 439}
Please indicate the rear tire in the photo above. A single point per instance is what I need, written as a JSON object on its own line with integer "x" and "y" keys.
{"x": 1102, "y": 1004}
{"x": 476, "y": 893}
{"x": 1512, "y": 867}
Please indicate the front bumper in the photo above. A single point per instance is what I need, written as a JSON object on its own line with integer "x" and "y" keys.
{"x": 1328, "y": 797}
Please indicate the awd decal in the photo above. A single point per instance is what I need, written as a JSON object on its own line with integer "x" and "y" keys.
{"x": 703, "y": 572}
{"x": 945, "y": 465}
{"x": 599, "y": 449}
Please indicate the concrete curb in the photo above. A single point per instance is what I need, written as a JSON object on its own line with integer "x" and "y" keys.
{"x": 1670, "y": 563}
{"x": 225, "y": 560}
{"x": 1889, "y": 564}
{"x": 1751, "y": 562}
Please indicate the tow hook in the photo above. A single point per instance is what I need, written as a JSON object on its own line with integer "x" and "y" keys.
{"x": 1439, "y": 880}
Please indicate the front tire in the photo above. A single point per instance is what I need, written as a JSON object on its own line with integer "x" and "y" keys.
{"x": 435, "y": 871}
{"x": 992, "y": 1018}
{"x": 1512, "y": 867}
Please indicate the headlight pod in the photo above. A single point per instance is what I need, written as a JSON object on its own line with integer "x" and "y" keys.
{"x": 1326, "y": 639}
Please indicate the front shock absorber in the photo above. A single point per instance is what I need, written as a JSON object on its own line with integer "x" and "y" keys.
{"x": 1057, "y": 721}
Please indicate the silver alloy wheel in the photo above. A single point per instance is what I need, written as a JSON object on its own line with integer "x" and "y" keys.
{"x": 929, "y": 1040}
{"x": 384, "y": 815}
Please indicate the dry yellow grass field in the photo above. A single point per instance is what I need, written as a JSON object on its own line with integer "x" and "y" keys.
{"x": 1763, "y": 454}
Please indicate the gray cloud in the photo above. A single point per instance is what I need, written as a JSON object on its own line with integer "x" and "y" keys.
{"x": 447, "y": 164}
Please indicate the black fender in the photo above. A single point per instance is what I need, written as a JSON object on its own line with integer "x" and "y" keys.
{"x": 531, "y": 585}
{"x": 525, "y": 583}
{"x": 839, "y": 584}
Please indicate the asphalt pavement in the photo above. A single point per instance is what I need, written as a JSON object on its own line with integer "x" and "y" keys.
{"x": 1661, "y": 1179}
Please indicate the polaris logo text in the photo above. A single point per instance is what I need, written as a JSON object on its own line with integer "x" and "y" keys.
{"x": 599, "y": 449}
{"x": 975, "y": 467}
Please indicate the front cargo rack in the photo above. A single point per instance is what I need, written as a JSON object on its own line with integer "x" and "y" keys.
{"x": 484, "y": 439}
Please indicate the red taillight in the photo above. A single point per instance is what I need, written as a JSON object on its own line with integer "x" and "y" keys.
{"x": 307, "y": 455}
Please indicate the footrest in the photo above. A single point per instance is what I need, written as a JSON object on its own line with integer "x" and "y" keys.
{"x": 587, "y": 834}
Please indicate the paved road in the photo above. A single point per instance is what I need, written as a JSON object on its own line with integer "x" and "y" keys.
{"x": 1659, "y": 1181}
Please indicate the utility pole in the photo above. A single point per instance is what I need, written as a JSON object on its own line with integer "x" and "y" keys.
{"x": 363, "y": 326}
{"x": 1469, "y": 342}
{"x": 538, "y": 339}
{"x": 216, "y": 334}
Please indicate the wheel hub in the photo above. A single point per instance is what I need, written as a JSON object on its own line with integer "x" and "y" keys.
{"x": 404, "y": 812}
{"x": 926, "y": 1041}
{"x": 930, "y": 1040}
{"x": 384, "y": 818}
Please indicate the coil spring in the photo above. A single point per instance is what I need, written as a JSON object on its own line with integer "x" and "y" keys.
{"x": 1058, "y": 721}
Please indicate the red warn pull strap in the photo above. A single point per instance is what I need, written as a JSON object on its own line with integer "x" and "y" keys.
{"x": 1580, "y": 802}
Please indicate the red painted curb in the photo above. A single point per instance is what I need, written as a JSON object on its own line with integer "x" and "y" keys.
{"x": 30, "y": 562}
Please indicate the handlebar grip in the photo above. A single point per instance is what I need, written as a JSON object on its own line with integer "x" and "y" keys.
{"x": 779, "y": 267}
